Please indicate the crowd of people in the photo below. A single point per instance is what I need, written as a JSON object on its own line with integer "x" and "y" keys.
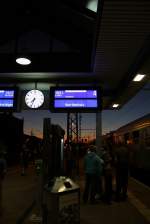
{"x": 106, "y": 172}
{"x": 102, "y": 171}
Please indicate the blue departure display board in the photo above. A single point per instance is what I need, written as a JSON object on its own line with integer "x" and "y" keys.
{"x": 6, "y": 103}
{"x": 72, "y": 94}
{"x": 76, "y": 103}
{"x": 7, "y": 94}
{"x": 8, "y": 98}
{"x": 66, "y": 99}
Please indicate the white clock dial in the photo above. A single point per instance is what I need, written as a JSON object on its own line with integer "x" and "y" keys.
{"x": 34, "y": 98}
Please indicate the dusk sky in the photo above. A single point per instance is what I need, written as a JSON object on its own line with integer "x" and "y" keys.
{"x": 137, "y": 107}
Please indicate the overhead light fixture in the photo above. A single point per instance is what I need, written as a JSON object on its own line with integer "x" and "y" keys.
{"x": 92, "y": 5}
{"x": 138, "y": 77}
{"x": 115, "y": 105}
{"x": 23, "y": 61}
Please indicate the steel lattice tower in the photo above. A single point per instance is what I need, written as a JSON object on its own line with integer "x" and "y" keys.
{"x": 73, "y": 128}
{"x": 80, "y": 118}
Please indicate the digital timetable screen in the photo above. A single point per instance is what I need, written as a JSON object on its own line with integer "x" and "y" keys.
{"x": 71, "y": 94}
{"x": 73, "y": 99}
{"x": 6, "y": 103}
{"x": 8, "y": 98}
{"x": 7, "y": 93}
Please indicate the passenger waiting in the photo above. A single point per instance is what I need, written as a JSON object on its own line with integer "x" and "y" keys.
{"x": 107, "y": 157}
{"x": 24, "y": 159}
{"x": 122, "y": 169}
{"x": 92, "y": 166}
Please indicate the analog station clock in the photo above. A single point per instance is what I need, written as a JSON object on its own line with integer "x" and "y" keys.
{"x": 34, "y": 98}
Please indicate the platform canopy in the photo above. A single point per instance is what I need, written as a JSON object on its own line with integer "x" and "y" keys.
{"x": 98, "y": 42}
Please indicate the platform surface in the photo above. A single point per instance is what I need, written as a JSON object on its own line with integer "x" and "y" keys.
{"x": 19, "y": 194}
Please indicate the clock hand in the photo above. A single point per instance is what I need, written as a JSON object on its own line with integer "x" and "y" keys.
{"x": 32, "y": 101}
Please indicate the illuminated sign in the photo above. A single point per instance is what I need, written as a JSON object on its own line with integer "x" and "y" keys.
{"x": 7, "y": 94}
{"x": 84, "y": 103}
{"x": 6, "y": 103}
{"x": 71, "y": 94}
{"x": 65, "y": 99}
{"x": 8, "y": 98}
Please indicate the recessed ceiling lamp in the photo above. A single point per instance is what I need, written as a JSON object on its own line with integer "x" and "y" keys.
{"x": 92, "y": 5}
{"x": 23, "y": 61}
{"x": 138, "y": 77}
{"x": 115, "y": 105}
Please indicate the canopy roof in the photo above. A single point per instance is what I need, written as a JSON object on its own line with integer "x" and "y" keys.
{"x": 104, "y": 43}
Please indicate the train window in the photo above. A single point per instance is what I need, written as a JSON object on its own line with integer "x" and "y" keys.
{"x": 126, "y": 137}
{"x": 147, "y": 137}
{"x": 148, "y": 132}
{"x": 135, "y": 135}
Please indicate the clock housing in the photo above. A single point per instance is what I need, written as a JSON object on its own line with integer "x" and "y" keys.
{"x": 34, "y": 98}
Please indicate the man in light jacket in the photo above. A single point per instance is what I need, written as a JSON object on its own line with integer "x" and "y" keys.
{"x": 92, "y": 168}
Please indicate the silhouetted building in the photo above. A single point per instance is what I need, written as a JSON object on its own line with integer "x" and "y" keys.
{"x": 11, "y": 135}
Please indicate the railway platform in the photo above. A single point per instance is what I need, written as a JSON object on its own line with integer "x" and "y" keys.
{"x": 19, "y": 203}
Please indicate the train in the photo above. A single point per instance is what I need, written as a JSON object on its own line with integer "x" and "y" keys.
{"x": 136, "y": 135}
{"x": 135, "y": 132}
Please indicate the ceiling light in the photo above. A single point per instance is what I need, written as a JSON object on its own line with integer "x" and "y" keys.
{"x": 23, "y": 61}
{"x": 138, "y": 77}
{"x": 115, "y": 105}
{"x": 92, "y": 5}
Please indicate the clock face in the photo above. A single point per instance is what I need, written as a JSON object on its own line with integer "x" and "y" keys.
{"x": 34, "y": 98}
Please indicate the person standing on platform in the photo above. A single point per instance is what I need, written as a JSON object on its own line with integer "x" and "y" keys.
{"x": 107, "y": 157}
{"x": 122, "y": 170}
{"x": 92, "y": 164}
{"x": 99, "y": 189}
{"x": 24, "y": 159}
{"x": 3, "y": 169}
